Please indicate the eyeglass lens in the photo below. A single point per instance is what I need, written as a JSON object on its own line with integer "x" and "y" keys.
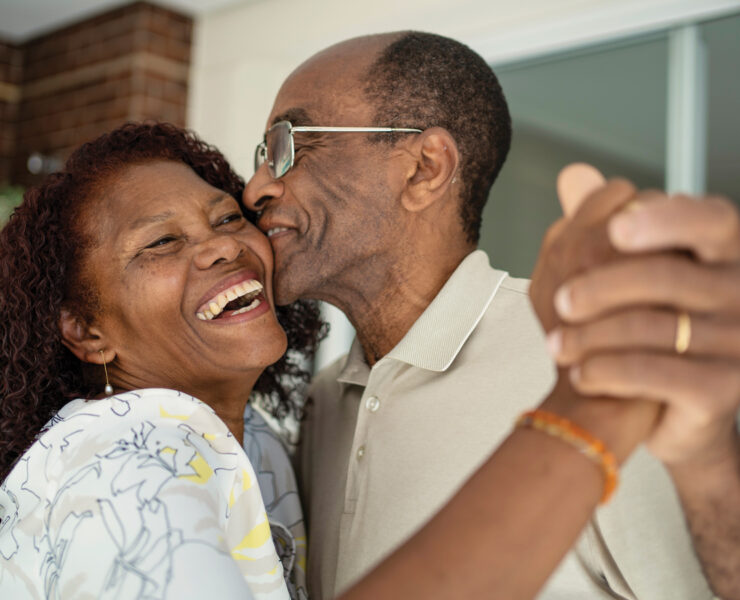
{"x": 279, "y": 149}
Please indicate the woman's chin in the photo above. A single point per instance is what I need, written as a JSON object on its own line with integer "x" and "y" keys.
{"x": 267, "y": 350}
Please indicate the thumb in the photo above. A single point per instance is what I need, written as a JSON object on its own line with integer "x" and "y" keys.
{"x": 576, "y": 182}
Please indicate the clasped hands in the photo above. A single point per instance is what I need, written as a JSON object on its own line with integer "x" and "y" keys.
{"x": 639, "y": 293}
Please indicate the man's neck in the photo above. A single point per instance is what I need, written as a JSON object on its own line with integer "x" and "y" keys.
{"x": 383, "y": 314}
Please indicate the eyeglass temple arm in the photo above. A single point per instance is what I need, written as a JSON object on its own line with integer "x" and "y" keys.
{"x": 356, "y": 129}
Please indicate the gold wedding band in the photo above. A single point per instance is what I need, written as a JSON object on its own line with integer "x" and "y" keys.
{"x": 683, "y": 332}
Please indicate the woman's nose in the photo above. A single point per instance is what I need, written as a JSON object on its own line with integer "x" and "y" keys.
{"x": 261, "y": 189}
{"x": 219, "y": 248}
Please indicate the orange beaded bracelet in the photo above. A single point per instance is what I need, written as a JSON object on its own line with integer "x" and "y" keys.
{"x": 590, "y": 446}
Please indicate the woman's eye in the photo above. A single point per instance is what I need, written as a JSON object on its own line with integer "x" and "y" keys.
{"x": 163, "y": 241}
{"x": 231, "y": 218}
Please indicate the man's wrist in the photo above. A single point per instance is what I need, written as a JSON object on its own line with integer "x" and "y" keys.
{"x": 713, "y": 473}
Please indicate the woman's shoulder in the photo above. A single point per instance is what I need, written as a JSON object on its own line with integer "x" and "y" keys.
{"x": 151, "y": 403}
{"x": 105, "y": 418}
{"x": 145, "y": 475}
{"x": 170, "y": 427}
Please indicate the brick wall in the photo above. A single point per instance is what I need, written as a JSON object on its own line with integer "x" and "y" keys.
{"x": 10, "y": 78}
{"x": 130, "y": 63}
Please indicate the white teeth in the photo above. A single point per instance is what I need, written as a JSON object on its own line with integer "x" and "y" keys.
{"x": 275, "y": 230}
{"x": 254, "y": 304}
{"x": 216, "y": 305}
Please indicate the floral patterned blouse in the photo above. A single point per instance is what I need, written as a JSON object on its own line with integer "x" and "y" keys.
{"x": 145, "y": 494}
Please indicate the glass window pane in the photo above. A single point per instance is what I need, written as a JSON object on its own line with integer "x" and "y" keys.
{"x": 722, "y": 38}
{"x": 605, "y": 105}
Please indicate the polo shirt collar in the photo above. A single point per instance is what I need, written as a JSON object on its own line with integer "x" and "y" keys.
{"x": 438, "y": 335}
{"x": 355, "y": 370}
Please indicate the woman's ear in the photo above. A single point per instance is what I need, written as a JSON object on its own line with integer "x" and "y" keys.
{"x": 437, "y": 161}
{"x": 84, "y": 341}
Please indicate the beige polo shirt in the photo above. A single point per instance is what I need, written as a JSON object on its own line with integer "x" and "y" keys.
{"x": 385, "y": 448}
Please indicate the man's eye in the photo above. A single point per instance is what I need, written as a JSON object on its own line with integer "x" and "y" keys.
{"x": 163, "y": 241}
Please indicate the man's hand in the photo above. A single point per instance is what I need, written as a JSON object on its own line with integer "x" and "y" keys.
{"x": 640, "y": 295}
{"x": 621, "y": 322}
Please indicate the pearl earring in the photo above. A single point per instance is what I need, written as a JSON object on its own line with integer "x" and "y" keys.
{"x": 108, "y": 387}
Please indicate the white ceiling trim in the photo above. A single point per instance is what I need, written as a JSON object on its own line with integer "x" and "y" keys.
{"x": 595, "y": 25}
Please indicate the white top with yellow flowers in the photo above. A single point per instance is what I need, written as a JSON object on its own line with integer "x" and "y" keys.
{"x": 144, "y": 494}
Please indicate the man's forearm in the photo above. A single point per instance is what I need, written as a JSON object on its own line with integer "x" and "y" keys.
{"x": 711, "y": 502}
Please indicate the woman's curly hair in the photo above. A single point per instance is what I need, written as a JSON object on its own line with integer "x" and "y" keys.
{"x": 41, "y": 249}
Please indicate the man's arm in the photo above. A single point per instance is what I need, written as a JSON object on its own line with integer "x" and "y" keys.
{"x": 615, "y": 324}
{"x": 710, "y": 498}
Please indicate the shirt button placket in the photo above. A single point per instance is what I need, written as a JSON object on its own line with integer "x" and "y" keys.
{"x": 372, "y": 403}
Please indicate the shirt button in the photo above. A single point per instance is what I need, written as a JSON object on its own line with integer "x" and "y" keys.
{"x": 372, "y": 403}
{"x": 360, "y": 452}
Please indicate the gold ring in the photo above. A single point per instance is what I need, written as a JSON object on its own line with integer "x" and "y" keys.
{"x": 683, "y": 332}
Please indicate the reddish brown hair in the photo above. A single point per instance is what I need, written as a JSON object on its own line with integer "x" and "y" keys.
{"x": 41, "y": 249}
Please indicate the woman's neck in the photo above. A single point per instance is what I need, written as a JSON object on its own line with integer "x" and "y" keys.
{"x": 229, "y": 403}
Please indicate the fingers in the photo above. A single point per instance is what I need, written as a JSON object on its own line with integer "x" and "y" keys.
{"x": 705, "y": 387}
{"x": 709, "y": 227}
{"x": 661, "y": 279}
{"x": 644, "y": 329}
{"x": 575, "y": 183}
{"x": 606, "y": 200}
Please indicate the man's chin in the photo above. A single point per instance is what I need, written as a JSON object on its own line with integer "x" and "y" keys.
{"x": 284, "y": 292}
{"x": 297, "y": 282}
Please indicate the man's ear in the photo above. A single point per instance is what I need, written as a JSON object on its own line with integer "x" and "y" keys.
{"x": 83, "y": 340}
{"x": 434, "y": 170}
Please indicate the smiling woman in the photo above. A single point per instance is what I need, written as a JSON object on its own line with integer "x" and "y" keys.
{"x": 136, "y": 266}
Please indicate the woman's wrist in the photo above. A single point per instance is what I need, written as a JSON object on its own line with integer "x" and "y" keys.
{"x": 578, "y": 438}
{"x": 620, "y": 424}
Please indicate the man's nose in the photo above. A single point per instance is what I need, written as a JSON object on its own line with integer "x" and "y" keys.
{"x": 261, "y": 189}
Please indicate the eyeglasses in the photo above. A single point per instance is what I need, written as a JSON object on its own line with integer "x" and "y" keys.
{"x": 278, "y": 149}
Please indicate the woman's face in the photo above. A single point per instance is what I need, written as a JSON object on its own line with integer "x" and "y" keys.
{"x": 184, "y": 282}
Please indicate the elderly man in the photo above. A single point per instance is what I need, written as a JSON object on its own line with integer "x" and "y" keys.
{"x": 372, "y": 177}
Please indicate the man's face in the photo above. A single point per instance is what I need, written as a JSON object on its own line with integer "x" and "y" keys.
{"x": 332, "y": 216}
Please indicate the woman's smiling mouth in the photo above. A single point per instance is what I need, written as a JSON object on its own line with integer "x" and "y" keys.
{"x": 240, "y": 298}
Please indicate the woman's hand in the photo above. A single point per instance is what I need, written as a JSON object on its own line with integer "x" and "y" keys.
{"x": 574, "y": 245}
